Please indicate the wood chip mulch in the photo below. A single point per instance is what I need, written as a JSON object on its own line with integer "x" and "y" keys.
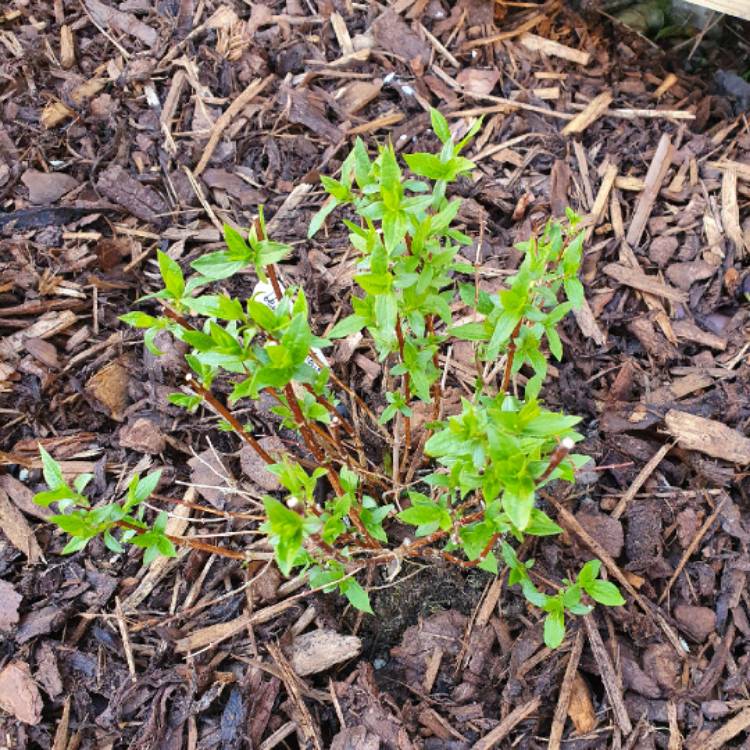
{"x": 135, "y": 126}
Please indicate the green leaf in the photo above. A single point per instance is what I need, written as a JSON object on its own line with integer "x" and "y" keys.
{"x": 554, "y": 628}
{"x": 605, "y": 593}
{"x": 262, "y": 315}
{"x": 417, "y": 515}
{"x": 270, "y": 252}
{"x": 357, "y": 596}
{"x": 51, "y": 470}
{"x": 138, "y": 319}
{"x": 317, "y": 221}
{"x": 489, "y": 564}
{"x": 390, "y": 178}
{"x": 46, "y": 498}
{"x": 347, "y": 326}
{"x": 81, "y": 481}
{"x": 440, "y": 126}
{"x": 541, "y": 524}
{"x": 236, "y": 244}
{"x": 171, "y": 273}
{"x": 589, "y": 573}
{"x": 427, "y": 165}
{"x": 470, "y": 332}
{"x": 76, "y": 544}
{"x": 146, "y": 486}
{"x": 574, "y": 292}
{"x": 219, "y": 265}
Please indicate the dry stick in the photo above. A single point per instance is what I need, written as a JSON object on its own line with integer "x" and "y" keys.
{"x": 643, "y": 475}
{"x": 563, "y": 701}
{"x": 608, "y": 675}
{"x": 225, "y": 119}
{"x": 569, "y": 520}
{"x": 696, "y": 540}
{"x": 732, "y": 728}
{"x": 515, "y": 717}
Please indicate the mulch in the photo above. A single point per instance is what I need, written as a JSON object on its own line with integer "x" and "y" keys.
{"x": 138, "y": 126}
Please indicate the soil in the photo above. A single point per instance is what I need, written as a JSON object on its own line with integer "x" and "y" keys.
{"x": 113, "y": 145}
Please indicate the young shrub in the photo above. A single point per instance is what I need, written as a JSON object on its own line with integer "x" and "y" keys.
{"x": 469, "y": 486}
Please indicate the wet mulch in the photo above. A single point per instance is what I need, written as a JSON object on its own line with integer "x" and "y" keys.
{"x": 135, "y": 126}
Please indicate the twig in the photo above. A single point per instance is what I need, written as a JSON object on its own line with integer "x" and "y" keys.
{"x": 694, "y": 542}
{"x": 516, "y": 716}
{"x": 563, "y": 701}
{"x": 226, "y": 118}
{"x": 609, "y": 677}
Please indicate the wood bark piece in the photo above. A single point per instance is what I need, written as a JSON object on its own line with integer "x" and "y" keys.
{"x": 16, "y": 528}
{"x": 594, "y": 110}
{"x": 126, "y": 23}
{"x": 644, "y": 283}
{"x": 527, "y": 25}
{"x": 688, "y": 331}
{"x": 602, "y": 197}
{"x": 321, "y": 649}
{"x": 608, "y": 675}
{"x": 708, "y": 436}
{"x": 638, "y": 482}
{"x": 305, "y": 108}
{"x": 730, "y": 211}
{"x": 142, "y": 201}
{"x": 721, "y": 737}
{"x": 554, "y": 49}
{"x": 19, "y": 695}
{"x": 393, "y": 34}
{"x": 738, "y": 8}
{"x": 501, "y": 731}
{"x": 654, "y": 178}
{"x": 10, "y": 600}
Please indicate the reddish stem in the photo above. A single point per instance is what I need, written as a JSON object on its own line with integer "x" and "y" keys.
{"x": 511, "y": 355}
{"x": 222, "y": 410}
{"x": 407, "y": 394}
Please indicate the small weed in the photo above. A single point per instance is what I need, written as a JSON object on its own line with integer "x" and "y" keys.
{"x": 468, "y": 486}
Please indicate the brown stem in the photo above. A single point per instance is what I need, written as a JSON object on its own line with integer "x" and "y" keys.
{"x": 223, "y": 412}
{"x": 562, "y": 450}
{"x": 407, "y": 394}
{"x": 177, "y": 318}
{"x": 274, "y": 279}
{"x": 205, "y": 508}
{"x": 186, "y": 541}
{"x": 436, "y": 390}
{"x": 509, "y": 357}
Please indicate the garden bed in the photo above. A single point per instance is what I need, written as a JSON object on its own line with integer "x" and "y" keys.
{"x": 134, "y": 129}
